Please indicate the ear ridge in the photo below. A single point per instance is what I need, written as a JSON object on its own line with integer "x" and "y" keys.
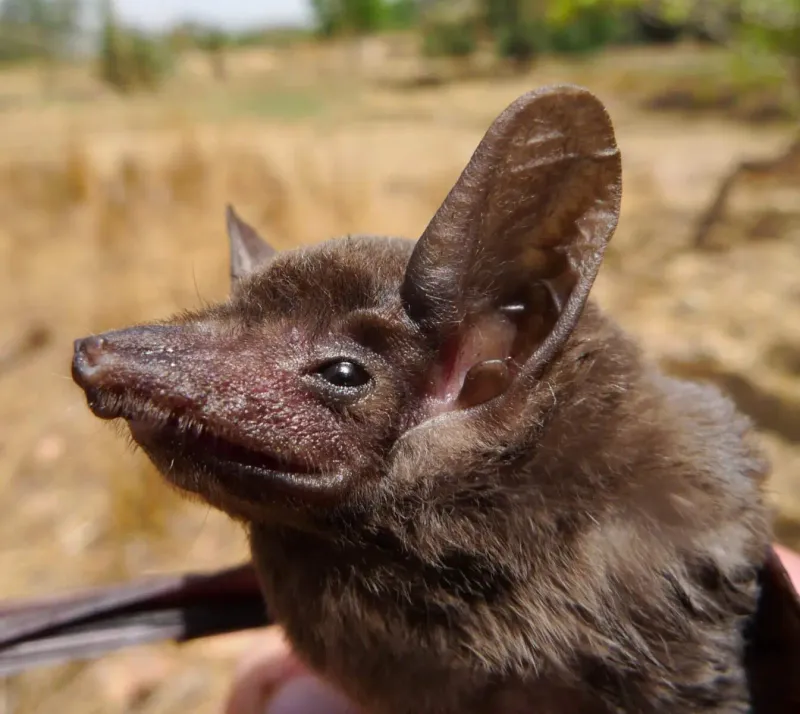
{"x": 248, "y": 250}
{"x": 537, "y": 202}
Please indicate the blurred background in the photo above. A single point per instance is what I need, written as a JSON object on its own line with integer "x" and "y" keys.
{"x": 126, "y": 126}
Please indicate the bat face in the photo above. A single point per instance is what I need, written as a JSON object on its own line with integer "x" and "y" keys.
{"x": 308, "y": 389}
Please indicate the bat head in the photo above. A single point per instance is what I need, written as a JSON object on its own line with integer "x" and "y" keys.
{"x": 335, "y": 375}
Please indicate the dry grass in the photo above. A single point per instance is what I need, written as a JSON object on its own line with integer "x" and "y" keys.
{"x": 113, "y": 213}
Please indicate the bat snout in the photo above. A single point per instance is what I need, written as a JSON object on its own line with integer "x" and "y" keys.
{"x": 102, "y": 361}
{"x": 117, "y": 365}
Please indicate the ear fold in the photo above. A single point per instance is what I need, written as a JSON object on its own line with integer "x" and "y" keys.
{"x": 505, "y": 267}
{"x": 772, "y": 658}
{"x": 248, "y": 250}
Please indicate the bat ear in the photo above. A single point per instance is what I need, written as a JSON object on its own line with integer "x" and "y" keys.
{"x": 500, "y": 276}
{"x": 248, "y": 249}
{"x": 772, "y": 657}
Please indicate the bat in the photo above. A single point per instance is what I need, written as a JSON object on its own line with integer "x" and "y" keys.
{"x": 465, "y": 488}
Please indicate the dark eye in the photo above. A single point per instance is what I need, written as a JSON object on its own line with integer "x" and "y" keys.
{"x": 344, "y": 374}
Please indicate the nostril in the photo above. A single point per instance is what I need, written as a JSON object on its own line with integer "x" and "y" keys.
{"x": 91, "y": 349}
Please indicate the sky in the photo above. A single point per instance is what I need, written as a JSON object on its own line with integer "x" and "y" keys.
{"x": 233, "y": 14}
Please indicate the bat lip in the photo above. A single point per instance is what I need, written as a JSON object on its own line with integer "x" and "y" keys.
{"x": 206, "y": 463}
{"x": 246, "y": 488}
{"x": 208, "y": 444}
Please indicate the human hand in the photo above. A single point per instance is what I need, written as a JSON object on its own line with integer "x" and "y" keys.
{"x": 791, "y": 561}
{"x": 271, "y": 680}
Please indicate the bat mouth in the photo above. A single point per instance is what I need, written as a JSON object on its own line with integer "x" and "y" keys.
{"x": 230, "y": 475}
{"x": 205, "y": 445}
{"x": 176, "y": 434}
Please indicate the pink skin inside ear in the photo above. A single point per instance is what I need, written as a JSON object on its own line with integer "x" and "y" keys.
{"x": 489, "y": 338}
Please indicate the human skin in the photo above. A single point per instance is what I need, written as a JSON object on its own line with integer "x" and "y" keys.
{"x": 271, "y": 680}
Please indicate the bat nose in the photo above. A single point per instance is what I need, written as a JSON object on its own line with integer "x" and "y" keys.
{"x": 87, "y": 358}
{"x": 90, "y": 348}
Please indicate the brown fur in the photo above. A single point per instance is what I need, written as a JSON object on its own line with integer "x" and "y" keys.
{"x": 518, "y": 513}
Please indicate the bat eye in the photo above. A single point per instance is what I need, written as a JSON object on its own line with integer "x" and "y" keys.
{"x": 345, "y": 374}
